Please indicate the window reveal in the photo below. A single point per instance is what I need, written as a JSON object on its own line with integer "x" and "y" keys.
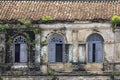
{"x": 95, "y": 48}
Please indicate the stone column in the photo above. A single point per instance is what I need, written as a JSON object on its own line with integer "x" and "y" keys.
{"x": 117, "y": 45}
{"x": 2, "y": 48}
{"x": 44, "y": 59}
{"x": 75, "y": 46}
{"x": 37, "y": 48}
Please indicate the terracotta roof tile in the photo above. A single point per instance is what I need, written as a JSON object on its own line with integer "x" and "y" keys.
{"x": 58, "y": 10}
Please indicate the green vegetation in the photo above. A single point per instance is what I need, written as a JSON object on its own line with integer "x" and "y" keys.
{"x": 35, "y": 31}
{"x": 1, "y": 78}
{"x": 9, "y": 42}
{"x": 43, "y": 43}
{"x": 46, "y": 18}
{"x": 55, "y": 78}
{"x": 50, "y": 72}
{"x": 25, "y": 21}
{"x": 3, "y": 27}
{"x": 115, "y": 73}
{"x": 27, "y": 37}
{"x": 115, "y": 20}
{"x": 19, "y": 30}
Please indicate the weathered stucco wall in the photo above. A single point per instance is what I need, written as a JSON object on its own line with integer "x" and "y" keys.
{"x": 76, "y": 35}
{"x": 37, "y": 50}
{"x": 117, "y": 45}
{"x": 81, "y": 32}
{"x": 2, "y": 47}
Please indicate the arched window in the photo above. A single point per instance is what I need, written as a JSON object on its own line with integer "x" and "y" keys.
{"x": 20, "y": 49}
{"x": 56, "y": 48}
{"x": 95, "y": 48}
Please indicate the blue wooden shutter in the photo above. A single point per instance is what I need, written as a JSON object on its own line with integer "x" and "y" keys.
{"x": 90, "y": 57}
{"x": 51, "y": 53}
{"x": 23, "y": 53}
{"x": 99, "y": 52}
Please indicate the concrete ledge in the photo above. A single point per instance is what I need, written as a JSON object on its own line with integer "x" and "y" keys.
{"x": 61, "y": 78}
{"x": 61, "y": 67}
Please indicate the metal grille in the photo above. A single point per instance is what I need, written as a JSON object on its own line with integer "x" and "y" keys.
{"x": 56, "y": 39}
{"x": 19, "y": 40}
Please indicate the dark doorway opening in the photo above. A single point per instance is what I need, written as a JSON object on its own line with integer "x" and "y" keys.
{"x": 17, "y": 52}
{"x": 59, "y": 54}
{"x": 94, "y": 51}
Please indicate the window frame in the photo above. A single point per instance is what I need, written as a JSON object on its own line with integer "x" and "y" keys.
{"x": 19, "y": 42}
{"x": 99, "y": 40}
{"x": 52, "y": 42}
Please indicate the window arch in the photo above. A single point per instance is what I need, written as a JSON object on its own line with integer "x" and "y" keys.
{"x": 95, "y": 48}
{"x": 56, "y": 48}
{"x": 20, "y": 49}
{"x": 19, "y": 40}
{"x": 95, "y": 37}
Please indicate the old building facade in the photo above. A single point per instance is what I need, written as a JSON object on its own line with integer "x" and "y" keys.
{"x": 77, "y": 38}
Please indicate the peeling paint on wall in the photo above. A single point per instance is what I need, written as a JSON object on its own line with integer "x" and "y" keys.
{"x": 37, "y": 47}
{"x": 82, "y": 53}
{"x": 44, "y": 54}
{"x": 70, "y": 53}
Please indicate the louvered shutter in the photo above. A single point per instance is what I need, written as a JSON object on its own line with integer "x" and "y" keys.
{"x": 99, "y": 52}
{"x": 23, "y": 53}
{"x": 90, "y": 57}
{"x": 51, "y": 52}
